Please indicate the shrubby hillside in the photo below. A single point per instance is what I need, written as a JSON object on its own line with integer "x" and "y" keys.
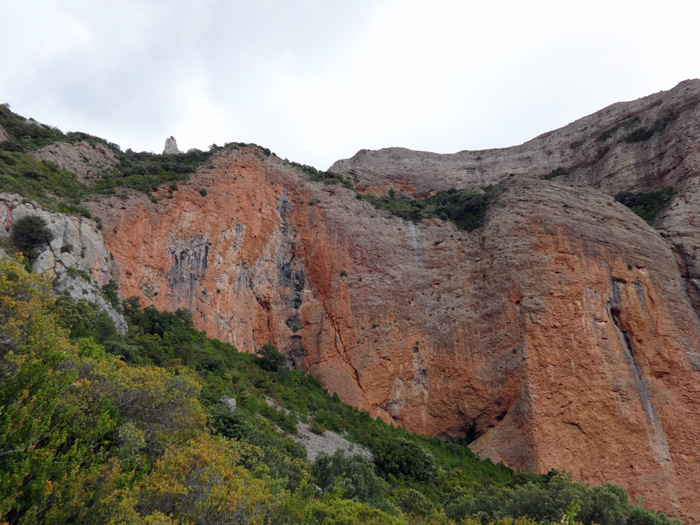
{"x": 97, "y": 427}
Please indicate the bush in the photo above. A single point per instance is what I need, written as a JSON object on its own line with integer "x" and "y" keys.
{"x": 187, "y": 482}
{"x": 411, "y": 501}
{"x": 110, "y": 291}
{"x": 30, "y": 232}
{"x": 646, "y": 205}
{"x": 645, "y": 133}
{"x": 328, "y": 420}
{"x": 354, "y": 474}
{"x": 548, "y": 500}
{"x": 403, "y": 458}
{"x": 347, "y": 512}
{"x": 465, "y": 208}
{"x": 229, "y": 423}
{"x": 271, "y": 358}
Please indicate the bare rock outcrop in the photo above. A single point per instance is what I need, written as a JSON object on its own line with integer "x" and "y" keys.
{"x": 227, "y": 256}
{"x": 171, "y": 146}
{"x": 629, "y": 146}
{"x": 81, "y": 159}
{"x": 562, "y": 326}
{"x": 3, "y": 135}
{"x": 565, "y": 327}
{"x": 328, "y": 442}
{"x": 76, "y": 258}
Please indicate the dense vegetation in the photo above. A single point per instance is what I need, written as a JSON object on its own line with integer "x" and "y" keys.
{"x": 327, "y": 177}
{"x": 57, "y": 190}
{"x": 97, "y": 427}
{"x": 465, "y": 208}
{"x": 30, "y": 232}
{"x": 646, "y": 205}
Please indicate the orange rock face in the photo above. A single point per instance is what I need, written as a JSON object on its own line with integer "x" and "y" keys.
{"x": 562, "y": 326}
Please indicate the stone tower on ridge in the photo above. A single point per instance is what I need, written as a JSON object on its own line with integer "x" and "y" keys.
{"x": 171, "y": 146}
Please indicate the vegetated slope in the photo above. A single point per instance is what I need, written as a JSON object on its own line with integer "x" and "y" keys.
{"x": 60, "y": 171}
{"x": 87, "y": 437}
{"x": 554, "y": 313}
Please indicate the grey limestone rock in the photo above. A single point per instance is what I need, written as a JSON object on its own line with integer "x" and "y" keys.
{"x": 171, "y": 146}
{"x": 229, "y": 402}
{"x": 77, "y": 257}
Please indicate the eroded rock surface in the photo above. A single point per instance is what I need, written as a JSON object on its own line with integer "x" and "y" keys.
{"x": 170, "y": 146}
{"x": 81, "y": 159}
{"x": 565, "y": 326}
{"x": 629, "y": 146}
{"x": 76, "y": 258}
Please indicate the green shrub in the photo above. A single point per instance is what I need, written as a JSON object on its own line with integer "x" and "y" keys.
{"x": 403, "y": 458}
{"x": 229, "y": 423}
{"x": 465, "y": 208}
{"x": 645, "y": 133}
{"x": 110, "y": 291}
{"x": 347, "y": 512}
{"x": 624, "y": 124}
{"x": 550, "y": 498}
{"x": 83, "y": 319}
{"x": 289, "y": 424}
{"x": 354, "y": 474}
{"x": 411, "y": 501}
{"x": 271, "y": 359}
{"x": 646, "y": 205}
{"x": 558, "y": 172}
{"x": 29, "y": 233}
{"x": 328, "y": 420}
{"x": 327, "y": 177}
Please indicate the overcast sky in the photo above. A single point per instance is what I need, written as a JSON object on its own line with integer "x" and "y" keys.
{"x": 317, "y": 80}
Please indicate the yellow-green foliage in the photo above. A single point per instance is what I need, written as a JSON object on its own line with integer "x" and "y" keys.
{"x": 87, "y": 438}
{"x": 348, "y": 512}
{"x": 61, "y": 406}
{"x": 203, "y": 482}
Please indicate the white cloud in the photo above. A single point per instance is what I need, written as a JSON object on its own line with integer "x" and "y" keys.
{"x": 315, "y": 80}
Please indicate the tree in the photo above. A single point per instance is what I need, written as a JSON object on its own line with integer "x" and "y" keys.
{"x": 203, "y": 482}
{"x": 52, "y": 435}
{"x": 271, "y": 358}
{"x": 354, "y": 474}
{"x": 30, "y": 232}
{"x": 403, "y": 458}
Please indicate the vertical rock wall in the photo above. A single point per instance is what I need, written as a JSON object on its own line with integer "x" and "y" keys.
{"x": 565, "y": 327}
{"x": 562, "y": 326}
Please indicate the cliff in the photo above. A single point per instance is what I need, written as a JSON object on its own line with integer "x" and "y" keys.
{"x": 565, "y": 326}
{"x": 77, "y": 258}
